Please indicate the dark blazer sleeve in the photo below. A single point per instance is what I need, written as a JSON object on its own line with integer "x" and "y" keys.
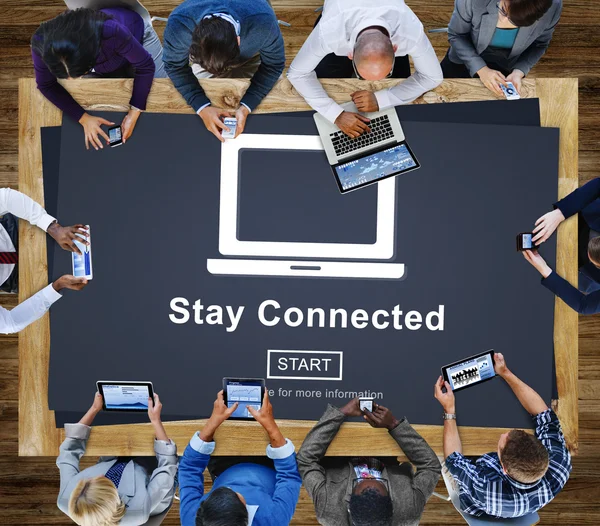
{"x": 582, "y": 303}
{"x": 313, "y": 450}
{"x": 421, "y": 456}
{"x": 577, "y": 200}
{"x": 459, "y": 36}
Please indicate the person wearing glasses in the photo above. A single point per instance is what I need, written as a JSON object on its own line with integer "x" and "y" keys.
{"x": 585, "y": 201}
{"x": 113, "y": 42}
{"x": 367, "y": 491}
{"x": 371, "y": 40}
{"x": 499, "y": 41}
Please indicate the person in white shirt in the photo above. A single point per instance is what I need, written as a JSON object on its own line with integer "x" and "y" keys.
{"x": 366, "y": 37}
{"x": 18, "y": 204}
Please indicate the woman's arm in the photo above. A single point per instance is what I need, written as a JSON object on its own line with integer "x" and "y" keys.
{"x": 459, "y": 36}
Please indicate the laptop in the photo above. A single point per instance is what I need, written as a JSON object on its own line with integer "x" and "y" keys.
{"x": 371, "y": 157}
{"x": 294, "y": 258}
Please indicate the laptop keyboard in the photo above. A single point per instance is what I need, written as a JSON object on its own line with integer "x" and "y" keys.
{"x": 381, "y": 130}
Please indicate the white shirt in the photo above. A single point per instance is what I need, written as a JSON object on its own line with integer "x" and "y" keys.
{"x": 336, "y": 32}
{"x": 24, "y": 207}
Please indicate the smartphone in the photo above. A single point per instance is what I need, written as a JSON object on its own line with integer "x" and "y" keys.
{"x": 82, "y": 264}
{"x": 231, "y": 123}
{"x": 525, "y": 241}
{"x": 510, "y": 92}
{"x": 365, "y": 403}
{"x": 115, "y": 136}
{"x": 246, "y": 392}
{"x": 470, "y": 371}
{"x": 125, "y": 396}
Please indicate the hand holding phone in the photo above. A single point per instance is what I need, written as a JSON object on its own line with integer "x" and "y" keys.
{"x": 231, "y": 123}
{"x": 115, "y": 136}
{"x": 525, "y": 241}
{"x": 510, "y": 92}
{"x": 365, "y": 404}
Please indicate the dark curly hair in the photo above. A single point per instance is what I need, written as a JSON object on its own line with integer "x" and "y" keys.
{"x": 370, "y": 508}
{"x": 69, "y": 44}
{"x": 214, "y": 45}
{"x": 222, "y": 508}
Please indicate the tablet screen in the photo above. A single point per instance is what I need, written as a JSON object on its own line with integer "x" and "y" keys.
{"x": 245, "y": 393}
{"x": 470, "y": 371}
{"x": 375, "y": 167}
{"x": 125, "y": 397}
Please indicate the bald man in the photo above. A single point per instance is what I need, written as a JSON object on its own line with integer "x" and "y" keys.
{"x": 371, "y": 40}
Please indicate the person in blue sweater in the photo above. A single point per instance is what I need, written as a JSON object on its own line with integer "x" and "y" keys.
{"x": 586, "y": 202}
{"x": 246, "y": 491}
{"x": 218, "y": 38}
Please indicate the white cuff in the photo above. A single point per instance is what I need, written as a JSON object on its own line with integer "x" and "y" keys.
{"x": 45, "y": 221}
{"x": 50, "y": 295}
{"x": 333, "y": 112}
{"x": 244, "y": 104}
{"x": 285, "y": 451}
{"x": 206, "y": 448}
{"x": 202, "y": 107}
{"x": 383, "y": 99}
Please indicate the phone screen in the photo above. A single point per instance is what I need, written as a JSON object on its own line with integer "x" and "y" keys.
{"x": 527, "y": 241}
{"x": 246, "y": 394}
{"x": 114, "y": 134}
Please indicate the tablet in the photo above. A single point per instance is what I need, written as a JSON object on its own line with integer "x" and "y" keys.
{"x": 246, "y": 392}
{"x": 125, "y": 396}
{"x": 470, "y": 371}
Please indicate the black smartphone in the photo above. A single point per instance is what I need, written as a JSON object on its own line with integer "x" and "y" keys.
{"x": 115, "y": 136}
{"x": 525, "y": 241}
{"x": 125, "y": 396}
{"x": 470, "y": 371}
{"x": 245, "y": 392}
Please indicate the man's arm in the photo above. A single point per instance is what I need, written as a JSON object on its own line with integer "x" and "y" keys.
{"x": 579, "y": 198}
{"x": 32, "y": 309}
{"x": 303, "y": 77}
{"x": 531, "y": 56}
{"x": 549, "y": 433}
{"x": 452, "y": 443}
{"x": 272, "y": 61}
{"x": 427, "y": 76}
{"x": 313, "y": 450}
{"x": 24, "y": 207}
{"x": 574, "y": 298}
{"x": 191, "y": 477}
{"x": 176, "y": 56}
{"x": 532, "y": 402}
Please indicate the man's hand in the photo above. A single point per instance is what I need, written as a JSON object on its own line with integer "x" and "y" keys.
{"x": 533, "y": 256}
{"x": 380, "y": 417}
{"x": 69, "y": 282}
{"x": 500, "y": 364}
{"x": 155, "y": 409}
{"x": 445, "y": 399}
{"x": 516, "y": 77}
{"x": 365, "y": 101}
{"x": 92, "y": 127}
{"x": 266, "y": 419}
{"x": 241, "y": 114}
{"x": 129, "y": 123}
{"x": 211, "y": 117}
{"x": 352, "y": 408}
{"x": 546, "y": 225}
{"x": 492, "y": 79}
{"x": 352, "y": 124}
{"x": 219, "y": 414}
{"x": 66, "y": 235}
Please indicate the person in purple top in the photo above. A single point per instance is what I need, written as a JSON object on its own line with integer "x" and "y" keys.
{"x": 114, "y": 42}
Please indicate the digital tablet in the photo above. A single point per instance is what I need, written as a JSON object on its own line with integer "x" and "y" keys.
{"x": 125, "y": 396}
{"x": 470, "y": 371}
{"x": 246, "y": 392}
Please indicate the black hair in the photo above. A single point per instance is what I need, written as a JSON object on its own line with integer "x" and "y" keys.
{"x": 370, "y": 508}
{"x": 222, "y": 508}
{"x": 214, "y": 45}
{"x": 69, "y": 44}
{"x": 524, "y": 13}
{"x": 594, "y": 249}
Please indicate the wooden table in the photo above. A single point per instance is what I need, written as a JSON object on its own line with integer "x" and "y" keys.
{"x": 37, "y": 429}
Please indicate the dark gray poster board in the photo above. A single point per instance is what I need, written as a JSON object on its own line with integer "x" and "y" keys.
{"x": 299, "y": 286}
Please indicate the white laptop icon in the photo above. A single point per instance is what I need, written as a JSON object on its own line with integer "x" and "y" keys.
{"x": 330, "y": 260}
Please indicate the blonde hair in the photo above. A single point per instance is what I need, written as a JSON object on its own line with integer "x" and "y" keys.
{"x": 96, "y": 502}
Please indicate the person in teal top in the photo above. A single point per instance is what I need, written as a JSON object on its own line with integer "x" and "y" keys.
{"x": 499, "y": 41}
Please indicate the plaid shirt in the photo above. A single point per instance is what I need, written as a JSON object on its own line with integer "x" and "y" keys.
{"x": 484, "y": 488}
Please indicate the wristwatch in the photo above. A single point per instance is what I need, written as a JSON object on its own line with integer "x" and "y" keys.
{"x": 449, "y": 416}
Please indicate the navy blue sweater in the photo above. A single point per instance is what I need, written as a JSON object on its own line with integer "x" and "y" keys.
{"x": 259, "y": 34}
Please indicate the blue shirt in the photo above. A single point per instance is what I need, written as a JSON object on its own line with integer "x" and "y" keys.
{"x": 275, "y": 492}
{"x": 504, "y": 38}
{"x": 259, "y": 34}
{"x": 484, "y": 488}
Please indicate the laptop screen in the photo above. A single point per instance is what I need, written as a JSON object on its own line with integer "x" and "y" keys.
{"x": 374, "y": 167}
{"x": 290, "y": 196}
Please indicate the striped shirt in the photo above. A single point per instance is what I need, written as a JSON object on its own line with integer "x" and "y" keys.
{"x": 485, "y": 489}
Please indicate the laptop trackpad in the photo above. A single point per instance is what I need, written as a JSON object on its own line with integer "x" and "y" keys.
{"x": 291, "y": 195}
